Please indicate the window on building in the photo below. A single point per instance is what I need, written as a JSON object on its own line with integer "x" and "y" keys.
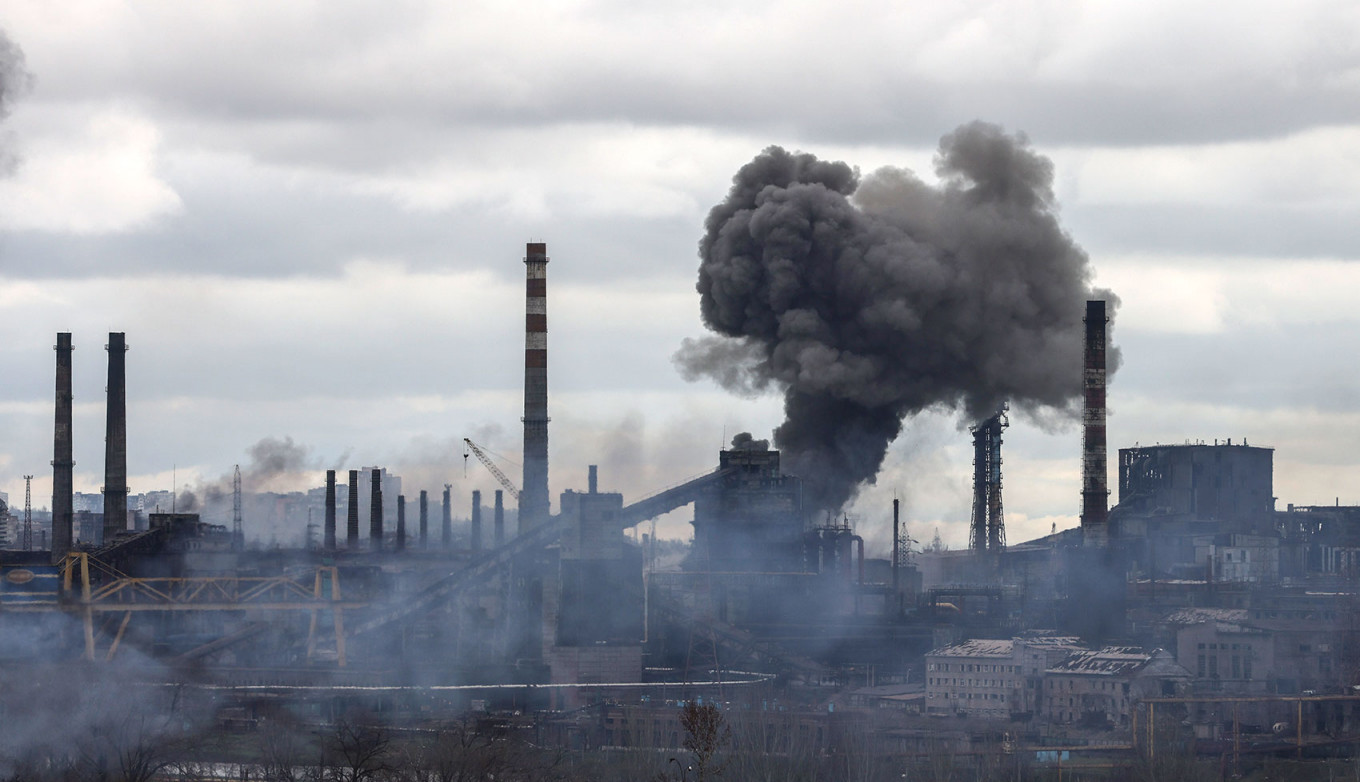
{"x": 1236, "y": 666}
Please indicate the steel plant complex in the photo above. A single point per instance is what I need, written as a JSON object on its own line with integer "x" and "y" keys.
{"x": 1193, "y": 618}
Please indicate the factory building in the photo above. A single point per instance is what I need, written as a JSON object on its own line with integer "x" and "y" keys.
{"x": 566, "y": 610}
{"x": 1103, "y": 687}
{"x": 993, "y": 679}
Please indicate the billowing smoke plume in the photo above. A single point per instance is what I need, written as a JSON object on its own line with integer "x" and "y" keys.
{"x": 912, "y": 296}
{"x": 14, "y": 80}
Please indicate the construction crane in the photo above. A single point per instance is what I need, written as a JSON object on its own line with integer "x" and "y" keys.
{"x": 486, "y": 460}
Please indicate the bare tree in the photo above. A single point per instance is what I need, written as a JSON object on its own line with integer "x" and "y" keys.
{"x": 361, "y": 750}
{"x": 706, "y": 733}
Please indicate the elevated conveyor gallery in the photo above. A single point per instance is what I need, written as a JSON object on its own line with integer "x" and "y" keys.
{"x": 539, "y": 537}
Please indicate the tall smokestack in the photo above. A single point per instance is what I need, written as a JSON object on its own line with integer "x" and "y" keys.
{"x": 115, "y": 440}
{"x": 401, "y": 522}
{"x": 499, "y": 521}
{"x": 424, "y": 518}
{"x": 446, "y": 529}
{"x": 375, "y": 512}
{"x": 329, "y": 543}
{"x": 897, "y": 544}
{"x": 63, "y": 460}
{"x": 533, "y": 498}
{"x": 352, "y": 522}
{"x": 476, "y": 544}
{"x": 1095, "y": 492}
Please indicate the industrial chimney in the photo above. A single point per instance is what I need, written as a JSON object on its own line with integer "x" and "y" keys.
{"x": 476, "y": 531}
{"x": 352, "y": 522}
{"x": 533, "y": 499}
{"x": 329, "y": 543}
{"x": 375, "y": 512}
{"x": 1095, "y": 493}
{"x": 115, "y": 440}
{"x": 498, "y": 530}
{"x": 446, "y": 523}
{"x": 424, "y": 518}
{"x": 63, "y": 460}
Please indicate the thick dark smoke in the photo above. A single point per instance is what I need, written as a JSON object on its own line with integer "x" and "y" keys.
{"x": 912, "y": 296}
{"x": 14, "y": 81}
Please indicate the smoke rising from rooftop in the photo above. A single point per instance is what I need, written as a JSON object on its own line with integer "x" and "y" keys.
{"x": 910, "y": 295}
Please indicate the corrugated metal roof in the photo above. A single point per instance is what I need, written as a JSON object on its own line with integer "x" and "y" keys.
{"x": 1110, "y": 661}
{"x": 978, "y": 647}
{"x": 1190, "y": 616}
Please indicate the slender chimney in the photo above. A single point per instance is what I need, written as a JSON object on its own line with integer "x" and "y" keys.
{"x": 424, "y": 518}
{"x": 476, "y": 544}
{"x": 115, "y": 440}
{"x": 897, "y": 543}
{"x": 329, "y": 543}
{"x": 533, "y": 499}
{"x": 352, "y": 528}
{"x": 1095, "y": 493}
{"x": 593, "y": 479}
{"x": 375, "y": 512}
{"x": 446, "y": 532}
{"x": 401, "y": 522}
{"x": 499, "y": 520}
{"x": 63, "y": 461}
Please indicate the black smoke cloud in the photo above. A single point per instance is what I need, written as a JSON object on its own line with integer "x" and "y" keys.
{"x": 911, "y": 296}
{"x": 14, "y": 81}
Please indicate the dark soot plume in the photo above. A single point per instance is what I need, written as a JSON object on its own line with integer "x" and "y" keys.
{"x": 963, "y": 295}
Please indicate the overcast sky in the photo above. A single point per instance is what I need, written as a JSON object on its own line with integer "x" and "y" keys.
{"x": 309, "y": 219}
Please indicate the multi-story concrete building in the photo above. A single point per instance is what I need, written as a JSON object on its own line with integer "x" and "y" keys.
{"x": 1101, "y": 687}
{"x": 991, "y": 678}
{"x": 1228, "y": 656}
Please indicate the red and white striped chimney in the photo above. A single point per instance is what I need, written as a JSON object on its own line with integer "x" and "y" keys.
{"x": 533, "y": 500}
{"x": 1095, "y": 491}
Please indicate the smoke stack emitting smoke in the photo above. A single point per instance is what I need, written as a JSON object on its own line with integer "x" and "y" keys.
{"x": 961, "y": 295}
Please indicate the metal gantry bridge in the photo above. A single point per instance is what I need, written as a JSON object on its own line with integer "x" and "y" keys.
{"x": 85, "y": 585}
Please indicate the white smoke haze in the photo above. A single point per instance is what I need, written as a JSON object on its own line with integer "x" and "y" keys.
{"x": 864, "y": 312}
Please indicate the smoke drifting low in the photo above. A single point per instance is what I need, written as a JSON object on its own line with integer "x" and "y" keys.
{"x": 911, "y": 296}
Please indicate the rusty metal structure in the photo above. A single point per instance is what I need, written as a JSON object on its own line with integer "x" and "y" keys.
{"x": 987, "y": 532}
